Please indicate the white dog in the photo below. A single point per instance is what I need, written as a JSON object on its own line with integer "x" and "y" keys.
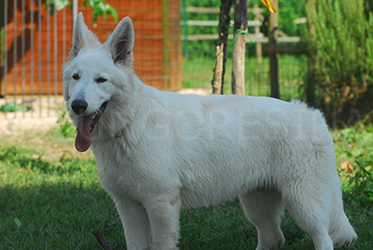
{"x": 158, "y": 152}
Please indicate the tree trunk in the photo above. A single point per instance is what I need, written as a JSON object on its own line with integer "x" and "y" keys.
{"x": 273, "y": 57}
{"x": 240, "y": 25}
{"x": 221, "y": 49}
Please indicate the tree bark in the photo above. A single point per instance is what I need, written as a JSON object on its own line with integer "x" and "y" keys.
{"x": 221, "y": 49}
{"x": 240, "y": 24}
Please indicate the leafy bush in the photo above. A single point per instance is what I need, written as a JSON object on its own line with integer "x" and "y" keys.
{"x": 341, "y": 49}
{"x": 354, "y": 146}
{"x": 100, "y": 8}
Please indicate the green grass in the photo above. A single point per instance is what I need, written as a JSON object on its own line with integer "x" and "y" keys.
{"x": 197, "y": 73}
{"x": 54, "y": 201}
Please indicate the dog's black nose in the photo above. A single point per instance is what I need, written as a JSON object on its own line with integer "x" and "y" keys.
{"x": 79, "y": 106}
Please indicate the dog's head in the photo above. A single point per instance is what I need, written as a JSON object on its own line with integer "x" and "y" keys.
{"x": 94, "y": 74}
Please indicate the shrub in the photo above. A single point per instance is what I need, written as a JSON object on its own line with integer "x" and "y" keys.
{"x": 341, "y": 48}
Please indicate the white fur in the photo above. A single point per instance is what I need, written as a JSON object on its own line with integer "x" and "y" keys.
{"x": 158, "y": 152}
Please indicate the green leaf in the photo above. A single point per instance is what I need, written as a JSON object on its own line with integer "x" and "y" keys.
{"x": 101, "y": 8}
{"x": 114, "y": 13}
{"x": 58, "y": 4}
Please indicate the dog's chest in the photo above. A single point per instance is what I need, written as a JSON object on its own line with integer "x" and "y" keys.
{"x": 114, "y": 169}
{"x": 112, "y": 176}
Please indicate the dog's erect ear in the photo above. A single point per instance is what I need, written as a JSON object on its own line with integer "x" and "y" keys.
{"x": 120, "y": 43}
{"x": 82, "y": 37}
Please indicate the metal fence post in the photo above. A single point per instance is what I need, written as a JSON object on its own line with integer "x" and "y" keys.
{"x": 75, "y": 10}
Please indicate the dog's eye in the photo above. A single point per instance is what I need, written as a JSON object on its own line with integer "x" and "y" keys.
{"x": 101, "y": 80}
{"x": 76, "y": 77}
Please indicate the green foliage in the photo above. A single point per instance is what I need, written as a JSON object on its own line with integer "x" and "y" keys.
{"x": 100, "y": 8}
{"x": 355, "y": 146}
{"x": 66, "y": 128}
{"x": 288, "y": 11}
{"x": 12, "y": 107}
{"x": 341, "y": 48}
{"x": 56, "y": 5}
{"x": 201, "y": 48}
{"x": 30, "y": 160}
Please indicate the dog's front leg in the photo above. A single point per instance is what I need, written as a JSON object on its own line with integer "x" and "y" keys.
{"x": 164, "y": 214}
{"x": 135, "y": 224}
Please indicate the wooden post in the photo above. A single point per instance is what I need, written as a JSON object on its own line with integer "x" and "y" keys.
{"x": 240, "y": 25}
{"x": 310, "y": 87}
{"x": 2, "y": 45}
{"x": 286, "y": 49}
{"x": 221, "y": 49}
{"x": 273, "y": 57}
{"x": 258, "y": 45}
{"x": 166, "y": 52}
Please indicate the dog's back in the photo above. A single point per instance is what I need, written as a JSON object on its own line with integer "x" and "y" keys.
{"x": 219, "y": 147}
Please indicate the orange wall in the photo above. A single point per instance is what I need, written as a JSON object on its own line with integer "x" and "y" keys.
{"x": 154, "y": 65}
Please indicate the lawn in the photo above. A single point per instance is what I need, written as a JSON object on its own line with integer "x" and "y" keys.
{"x": 51, "y": 198}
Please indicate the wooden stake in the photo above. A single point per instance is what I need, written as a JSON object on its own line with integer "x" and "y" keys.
{"x": 311, "y": 83}
{"x": 258, "y": 45}
{"x": 221, "y": 49}
{"x": 100, "y": 238}
{"x": 217, "y": 80}
{"x": 240, "y": 24}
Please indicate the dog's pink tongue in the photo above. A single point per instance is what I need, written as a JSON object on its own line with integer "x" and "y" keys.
{"x": 83, "y": 137}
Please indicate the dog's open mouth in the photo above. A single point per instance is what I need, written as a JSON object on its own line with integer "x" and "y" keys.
{"x": 86, "y": 125}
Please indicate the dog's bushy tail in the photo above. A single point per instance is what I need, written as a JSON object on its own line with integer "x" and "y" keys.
{"x": 341, "y": 231}
{"x": 344, "y": 234}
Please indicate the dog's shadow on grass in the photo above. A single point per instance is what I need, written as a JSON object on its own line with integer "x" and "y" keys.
{"x": 62, "y": 217}
{"x": 57, "y": 217}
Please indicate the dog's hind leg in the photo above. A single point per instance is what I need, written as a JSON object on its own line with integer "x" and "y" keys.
{"x": 135, "y": 223}
{"x": 264, "y": 208}
{"x": 310, "y": 204}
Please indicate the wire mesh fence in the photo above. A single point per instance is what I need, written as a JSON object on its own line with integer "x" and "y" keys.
{"x": 171, "y": 52}
{"x": 34, "y": 46}
{"x": 36, "y": 38}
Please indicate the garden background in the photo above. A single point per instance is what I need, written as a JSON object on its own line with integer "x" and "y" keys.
{"x": 50, "y": 195}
